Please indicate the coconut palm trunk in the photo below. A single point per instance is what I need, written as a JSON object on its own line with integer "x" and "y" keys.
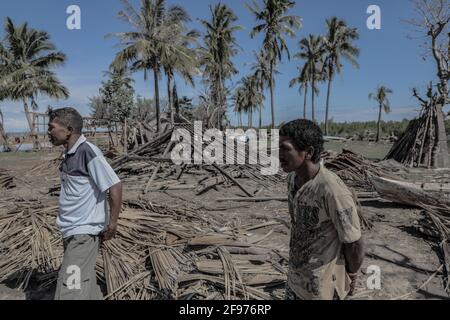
{"x": 313, "y": 85}
{"x": 169, "y": 98}
{"x": 222, "y": 103}
{"x": 260, "y": 117}
{"x": 158, "y": 110}
{"x": 272, "y": 98}
{"x": 6, "y": 147}
{"x": 304, "y": 102}
{"x": 125, "y": 137}
{"x": 330, "y": 78}
{"x": 175, "y": 98}
{"x": 379, "y": 123}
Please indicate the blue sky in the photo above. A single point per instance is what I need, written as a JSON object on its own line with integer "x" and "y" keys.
{"x": 387, "y": 56}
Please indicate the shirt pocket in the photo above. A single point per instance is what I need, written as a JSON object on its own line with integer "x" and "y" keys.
{"x": 75, "y": 187}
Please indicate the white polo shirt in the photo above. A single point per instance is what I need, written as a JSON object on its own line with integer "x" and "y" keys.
{"x": 85, "y": 178}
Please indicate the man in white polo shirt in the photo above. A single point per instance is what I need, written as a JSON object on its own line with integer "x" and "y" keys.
{"x": 84, "y": 218}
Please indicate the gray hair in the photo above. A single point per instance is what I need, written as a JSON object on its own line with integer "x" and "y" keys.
{"x": 67, "y": 117}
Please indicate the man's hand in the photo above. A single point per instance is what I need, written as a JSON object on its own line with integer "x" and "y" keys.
{"x": 115, "y": 203}
{"x": 354, "y": 256}
{"x": 109, "y": 233}
{"x": 353, "y": 277}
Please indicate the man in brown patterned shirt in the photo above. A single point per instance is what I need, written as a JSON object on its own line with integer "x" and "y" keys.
{"x": 326, "y": 247}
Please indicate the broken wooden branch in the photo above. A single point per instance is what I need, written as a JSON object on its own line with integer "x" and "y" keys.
{"x": 233, "y": 180}
{"x": 254, "y": 199}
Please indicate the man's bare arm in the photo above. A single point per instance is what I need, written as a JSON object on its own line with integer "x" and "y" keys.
{"x": 354, "y": 255}
{"x": 115, "y": 205}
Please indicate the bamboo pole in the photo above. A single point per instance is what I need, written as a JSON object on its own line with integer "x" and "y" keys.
{"x": 158, "y": 167}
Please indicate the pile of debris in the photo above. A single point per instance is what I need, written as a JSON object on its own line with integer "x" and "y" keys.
{"x": 181, "y": 251}
{"x": 424, "y": 143}
{"x": 171, "y": 254}
{"x": 48, "y": 168}
{"x": 355, "y": 170}
{"x": 160, "y": 252}
{"x": 29, "y": 240}
{"x": 6, "y": 180}
{"x": 151, "y": 162}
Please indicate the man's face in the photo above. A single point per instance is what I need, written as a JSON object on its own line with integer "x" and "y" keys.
{"x": 58, "y": 134}
{"x": 290, "y": 158}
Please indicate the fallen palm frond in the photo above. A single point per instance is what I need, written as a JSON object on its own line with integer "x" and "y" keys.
{"x": 6, "y": 180}
{"x": 355, "y": 170}
{"x": 47, "y": 168}
{"x": 166, "y": 270}
{"x": 165, "y": 243}
{"x": 29, "y": 242}
{"x": 155, "y": 247}
{"x": 116, "y": 266}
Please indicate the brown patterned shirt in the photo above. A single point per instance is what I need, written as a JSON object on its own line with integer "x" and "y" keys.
{"x": 324, "y": 216}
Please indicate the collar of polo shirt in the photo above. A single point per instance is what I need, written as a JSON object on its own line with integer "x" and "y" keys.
{"x": 74, "y": 148}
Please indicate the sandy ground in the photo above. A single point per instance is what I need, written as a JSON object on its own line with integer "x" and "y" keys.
{"x": 405, "y": 257}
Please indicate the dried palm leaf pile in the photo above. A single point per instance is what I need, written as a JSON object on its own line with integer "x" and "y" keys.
{"x": 355, "y": 170}
{"x": 166, "y": 253}
{"x": 29, "y": 240}
{"x": 47, "y": 168}
{"x": 159, "y": 253}
{"x": 6, "y": 180}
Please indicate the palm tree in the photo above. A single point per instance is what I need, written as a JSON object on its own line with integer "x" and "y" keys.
{"x": 311, "y": 50}
{"x": 27, "y": 57}
{"x": 237, "y": 108}
{"x": 381, "y": 96}
{"x": 184, "y": 61}
{"x": 238, "y": 101}
{"x": 186, "y": 65}
{"x": 338, "y": 45}
{"x": 248, "y": 97}
{"x": 150, "y": 43}
{"x": 255, "y": 97}
{"x": 302, "y": 79}
{"x": 261, "y": 73}
{"x": 220, "y": 47}
{"x": 275, "y": 24}
{"x": 3, "y": 134}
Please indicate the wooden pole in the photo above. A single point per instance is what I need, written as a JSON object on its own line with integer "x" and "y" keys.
{"x": 125, "y": 138}
{"x": 232, "y": 179}
{"x": 158, "y": 167}
{"x": 254, "y": 199}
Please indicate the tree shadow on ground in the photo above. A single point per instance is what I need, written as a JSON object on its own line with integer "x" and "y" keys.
{"x": 405, "y": 262}
{"x": 384, "y": 204}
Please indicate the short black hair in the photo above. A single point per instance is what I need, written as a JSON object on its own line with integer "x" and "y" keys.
{"x": 67, "y": 117}
{"x": 305, "y": 133}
